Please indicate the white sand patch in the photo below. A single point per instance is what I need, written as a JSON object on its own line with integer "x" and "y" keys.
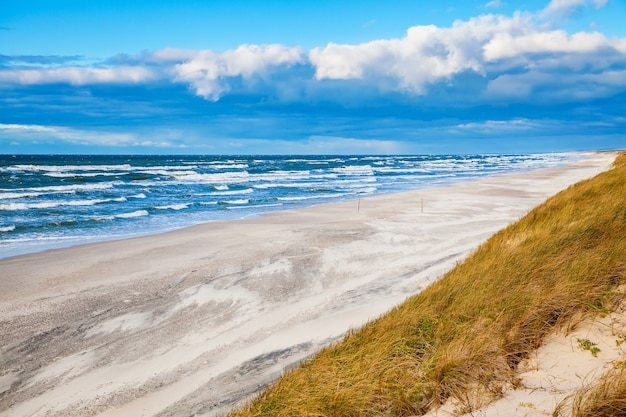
{"x": 270, "y": 267}
{"x": 6, "y": 381}
{"x": 202, "y": 294}
{"x": 65, "y": 368}
{"x": 125, "y": 323}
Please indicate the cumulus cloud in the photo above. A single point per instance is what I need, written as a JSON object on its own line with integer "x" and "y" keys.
{"x": 425, "y": 55}
{"x": 207, "y": 71}
{"x": 513, "y": 54}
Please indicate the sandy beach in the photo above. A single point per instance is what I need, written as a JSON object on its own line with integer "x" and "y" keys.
{"x": 194, "y": 322}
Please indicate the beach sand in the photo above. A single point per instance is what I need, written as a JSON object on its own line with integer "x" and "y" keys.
{"x": 194, "y": 322}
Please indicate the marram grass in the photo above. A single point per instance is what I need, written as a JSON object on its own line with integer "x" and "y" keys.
{"x": 463, "y": 337}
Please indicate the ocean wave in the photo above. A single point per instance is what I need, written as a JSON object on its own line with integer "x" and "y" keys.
{"x": 173, "y": 207}
{"x": 66, "y": 168}
{"x": 14, "y": 196}
{"x": 167, "y": 167}
{"x": 7, "y": 228}
{"x": 137, "y": 213}
{"x": 229, "y": 166}
{"x": 55, "y": 189}
{"x": 83, "y": 174}
{"x": 232, "y": 192}
{"x": 217, "y": 178}
{"x": 255, "y": 206}
{"x": 238, "y": 202}
{"x": 281, "y": 175}
{"x": 354, "y": 170}
{"x": 166, "y": 172}
{"x": 312, "y": 197}
{"x": 77, "y": 187}
{"x": 140, "y": 195}
{"x": 51, "y": 204}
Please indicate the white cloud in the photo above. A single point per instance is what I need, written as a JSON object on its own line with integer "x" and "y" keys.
{"x": 66, "y": 134}
{"x": 564, "y": 8}
{"x": 427, "y": 54}
{"x": 79, "y": 75}
{"x": 498, "y": 126}
{"x": 32, "y": 133}
{"x": 508, "y": 45}
{"x": 207, "y": 71}
{"x": 173, "y": 54}
{"x": 494, "y": 4}
{"x": 489, "y": 45}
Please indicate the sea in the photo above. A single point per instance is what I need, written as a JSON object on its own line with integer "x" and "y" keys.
{"x": 54, "y": 201}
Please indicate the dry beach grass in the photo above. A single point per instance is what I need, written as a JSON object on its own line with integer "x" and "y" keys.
{"x": 462, "y": 339}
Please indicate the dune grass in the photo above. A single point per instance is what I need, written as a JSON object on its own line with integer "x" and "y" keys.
{"x": 607, "y": 398}
{"x": 463, "y": 337}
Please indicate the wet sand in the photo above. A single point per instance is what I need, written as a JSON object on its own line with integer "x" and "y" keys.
{"x": 198, "y": 320}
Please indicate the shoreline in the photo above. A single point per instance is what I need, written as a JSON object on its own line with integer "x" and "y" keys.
{"x": 196, "y": 320}
{"x": 20, "y": 245}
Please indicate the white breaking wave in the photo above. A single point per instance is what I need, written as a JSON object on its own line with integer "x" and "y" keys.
{"x": 7, "y": 228}
{"x": 354, "y": 170}
{"x": 51, "y": 204}
{"x": 83, "y": 174}
{"x": 138, "y": 213}
{"x": 66, "y": 168}
{"x": 221, "y": 178}
{"x": 235, "y": 202}
{"x": 234, "y": 192}
{"x": 56, "y": 189}
{"x": 12, "y": 196}
{"x": 311, "y": 197}
{"x": 229, "y": 166}
{"x": 173, "y": 207}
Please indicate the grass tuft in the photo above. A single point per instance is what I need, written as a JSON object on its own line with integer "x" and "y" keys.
{"x": 607, "y": 398}
{"x": 464, "y": 336}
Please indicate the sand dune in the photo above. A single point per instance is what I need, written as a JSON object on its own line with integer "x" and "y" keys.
{"x": 196, "y": 321}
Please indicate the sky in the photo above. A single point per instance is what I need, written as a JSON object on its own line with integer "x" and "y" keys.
{"x": 312, "y": 77}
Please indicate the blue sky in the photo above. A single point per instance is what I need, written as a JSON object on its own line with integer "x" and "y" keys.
{"x": 289, "y": 77}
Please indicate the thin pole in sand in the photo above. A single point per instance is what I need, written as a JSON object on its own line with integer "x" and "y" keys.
{"x": 358, "y": 207}
{"x": 422, "y": 204}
